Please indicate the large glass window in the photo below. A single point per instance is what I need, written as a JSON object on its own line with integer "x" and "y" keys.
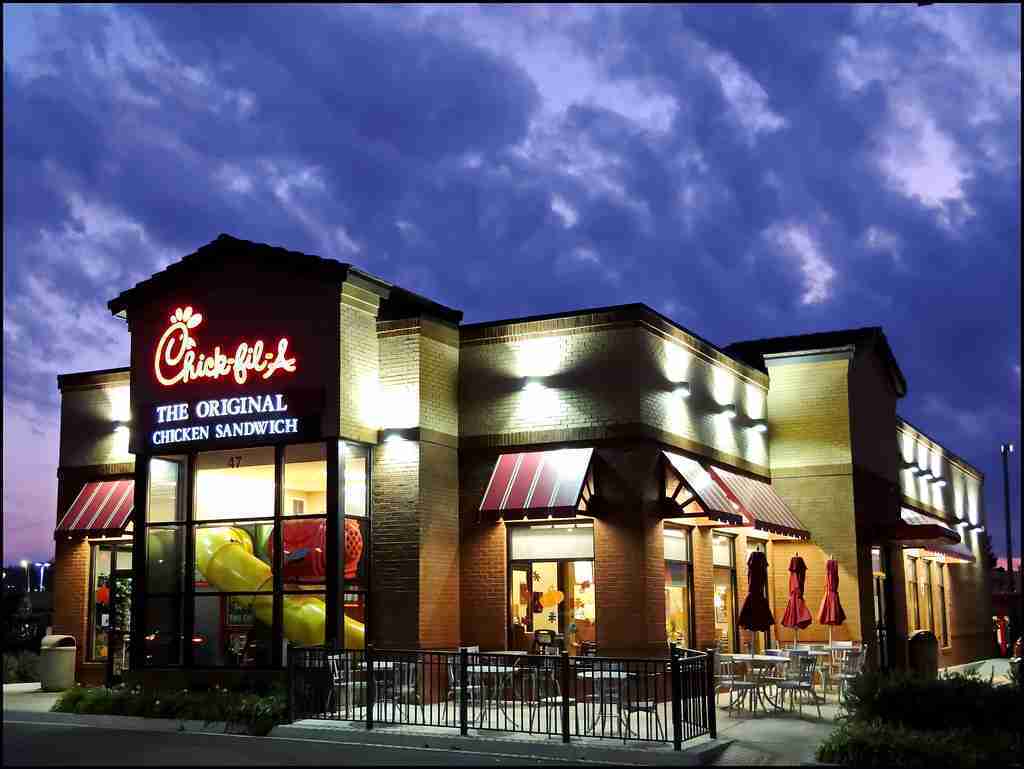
{"x": 913, "y": 602}
{"x": 723, "y": 555}
{"x": 925, "y": 575}
{"x": 678, "y": 587}
{"x": 100, "y": 603}
{"x": 551, "y": 585}
{"x": 236, "y": 592}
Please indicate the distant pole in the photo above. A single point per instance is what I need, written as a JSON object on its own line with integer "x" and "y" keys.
{"x": 28, "y": 577}
{"x": 1005, "y": 450}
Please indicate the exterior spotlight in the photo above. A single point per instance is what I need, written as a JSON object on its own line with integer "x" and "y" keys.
{"x": 926, "y": 474}
{"x": 533, "y": 385}
{"x": 759, "y": 427}
{"x": 729, "y": 411}
{"x": 121, "y": 427}
{"x": 683, "y": 390}
{"x": 940, "y": 482}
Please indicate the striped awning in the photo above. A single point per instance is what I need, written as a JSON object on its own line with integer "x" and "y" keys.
{"x": 101, "y": 506}
{"x": 556, "y": 482}
{"x": 958, "y": 553}
{"x": 724, "y": 493}
{"x": 919, "y": 530}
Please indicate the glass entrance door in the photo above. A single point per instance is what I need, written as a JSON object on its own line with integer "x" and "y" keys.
{"x": 119, "y": 636}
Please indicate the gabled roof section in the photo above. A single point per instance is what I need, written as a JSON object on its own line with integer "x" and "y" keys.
{"x": 752, "y": 352}
{"x": 394, "y": 299}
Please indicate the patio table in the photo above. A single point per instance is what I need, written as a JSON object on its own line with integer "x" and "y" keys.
{"x": 609, "y": 681}
{"x": 759, "y": 663}
{"x": 500, "y": 676}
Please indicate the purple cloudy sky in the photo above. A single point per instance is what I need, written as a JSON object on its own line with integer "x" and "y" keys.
{"x": 748, "y": 171}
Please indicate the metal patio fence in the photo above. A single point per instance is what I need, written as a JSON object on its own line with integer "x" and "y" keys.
{"x": 551, "y": 695}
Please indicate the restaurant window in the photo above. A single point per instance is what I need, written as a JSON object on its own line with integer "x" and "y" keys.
{"x": 678, "y": 587}
{"x": 925, "y": 576}
{"x": 164, "y": 562}
{"x": 724, "y": 559}
{"x": 944, "y": 627}
{"x": 227, "y": 595}
{"x": 913, "y": 602}
{"x": 551, "y": 584}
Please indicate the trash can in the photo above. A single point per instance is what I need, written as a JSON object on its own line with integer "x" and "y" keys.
{"x": 57, "y": 663}
{"x": 923, "y": 653}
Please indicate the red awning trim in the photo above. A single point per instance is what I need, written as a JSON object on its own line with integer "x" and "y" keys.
{"x": 959, "y": 553}
{"x": 557, "y": 481}
{"x": 736, "y": 499}
{"x": 101, "y": 506}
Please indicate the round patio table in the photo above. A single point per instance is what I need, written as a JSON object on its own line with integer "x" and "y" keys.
{"x": 760, "y": 663}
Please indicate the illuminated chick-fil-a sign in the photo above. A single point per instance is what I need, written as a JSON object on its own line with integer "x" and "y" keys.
{"x": 176, "y": 360}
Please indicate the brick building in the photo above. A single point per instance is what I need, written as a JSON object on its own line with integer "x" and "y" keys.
{"x": 301, "y": 452}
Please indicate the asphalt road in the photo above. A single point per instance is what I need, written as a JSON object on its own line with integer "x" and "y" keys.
{"x": 49, "y": 743}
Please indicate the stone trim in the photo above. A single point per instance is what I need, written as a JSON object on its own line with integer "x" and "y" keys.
{"x": 119, "y": 468}
{"x": 812, "y": 471}
{"x": 425, "y": 327}
{"x": 359, "y": 298}
{"x": 89, "y": 380}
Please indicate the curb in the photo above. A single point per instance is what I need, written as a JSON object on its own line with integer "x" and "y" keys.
{"x": 131, "y": 723}
{"x": 533, "y": 749}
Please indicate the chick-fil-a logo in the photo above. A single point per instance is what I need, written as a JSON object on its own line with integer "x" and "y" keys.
{"x": 176, "y": 359}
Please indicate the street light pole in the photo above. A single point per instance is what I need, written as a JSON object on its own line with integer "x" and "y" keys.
{"x": 1005, "y": 450}
{"x": 28, "y": 577}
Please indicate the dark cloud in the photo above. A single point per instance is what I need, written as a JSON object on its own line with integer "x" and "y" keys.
{"x": 748, "y": 170}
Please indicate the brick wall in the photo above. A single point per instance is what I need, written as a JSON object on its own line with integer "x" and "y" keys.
{"x": 604, "y": 375}
{"x": 87, "y": 415}
{"x": 959, "y": 499}
{"x": 483, "y": 559}
{"x": 70, "y": 605}
{"x": 360, "y": 365}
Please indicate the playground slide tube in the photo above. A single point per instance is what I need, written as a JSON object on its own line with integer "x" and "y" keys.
{"x": 224, "y": 556}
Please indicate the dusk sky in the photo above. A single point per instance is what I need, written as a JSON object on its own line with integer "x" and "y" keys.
{"x": 748, "y": 171}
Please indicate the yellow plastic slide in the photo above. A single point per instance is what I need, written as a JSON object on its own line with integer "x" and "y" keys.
{"x": 225, "y": 557}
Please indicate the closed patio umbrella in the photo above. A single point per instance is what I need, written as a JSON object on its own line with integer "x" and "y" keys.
{"x": 756, "y": 614}
{"x": 831, "y": 612}
{"x": 797, "y": 615}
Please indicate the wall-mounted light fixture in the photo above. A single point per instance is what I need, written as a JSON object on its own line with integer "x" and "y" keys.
{"x": 682, "y": 389}
{"x": 926, "y": 474}
{"x": 729, "y": 411}
{"x": 940, "y": 482}
{"x": 121, "y": 426}
{"x": 759, "y": 426}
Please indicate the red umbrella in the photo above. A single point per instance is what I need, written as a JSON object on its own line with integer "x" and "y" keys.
{"x": 831, "y": 612}
{"x": 756, "y": 614}
{"x": 797, "y": 615}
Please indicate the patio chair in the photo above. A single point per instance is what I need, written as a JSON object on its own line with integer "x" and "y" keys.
{"x": 345, "y": 693}
{"x": 547, "y": 689}
{"x": 801, "y": 683}
{"x": 397, "y": 687}
{"x": 852, "y": 665}
{"x": 640, "y": 698}
{"x": 729, "y": 678}
{"x": 474, "y": 686}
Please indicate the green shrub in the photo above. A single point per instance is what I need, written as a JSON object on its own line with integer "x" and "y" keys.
{"x": 21, "y": 667}
{"x": 942, "y": 704}
{"x": 240, "y": 710}
{"x": 877, "y": 744}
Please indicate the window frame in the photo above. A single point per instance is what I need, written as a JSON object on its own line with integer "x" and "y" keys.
{"x": 691, "y": 630}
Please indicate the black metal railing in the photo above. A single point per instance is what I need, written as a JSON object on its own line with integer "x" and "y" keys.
{"x": 550, "y": 695}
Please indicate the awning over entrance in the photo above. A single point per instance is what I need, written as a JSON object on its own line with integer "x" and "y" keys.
{"x": 920, "y": 530}
{"x": 735, "y": 498}
{"x": 101, "y": 506}
{"x": 935, "y": 538}
{"x": 557, "y": 482}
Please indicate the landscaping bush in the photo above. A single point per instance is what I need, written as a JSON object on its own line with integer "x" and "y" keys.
{"x": 954, "y": 702}
{"x": 877, "y": 744}
{"x": 21, "y": 667}
{"x": 249, "y": 711}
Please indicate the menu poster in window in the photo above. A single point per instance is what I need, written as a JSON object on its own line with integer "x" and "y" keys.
{"x": 239, "y": 614}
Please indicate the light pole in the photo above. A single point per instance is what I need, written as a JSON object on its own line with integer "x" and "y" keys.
{"x": 28, "y": 577}
{"x": 1005, "y": 449}
{"x": 42, "y": 571}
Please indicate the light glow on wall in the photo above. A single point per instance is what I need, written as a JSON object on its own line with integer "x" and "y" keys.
{"x": 677, "y": 362}
{"x": 539, "y": 356}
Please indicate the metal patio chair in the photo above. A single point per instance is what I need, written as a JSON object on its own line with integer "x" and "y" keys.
{"x": 474, "y": 686}
{"x": 852, "y": 665}
{"x": 640, "y": 698}
{"x": 800, "y": 681}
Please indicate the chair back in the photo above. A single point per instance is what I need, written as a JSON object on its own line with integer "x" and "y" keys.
{"x": 842, "y": 644}
{"x": 853, "y": 662}
{"x": 334, "y": 664}
{"x": 725, "y": 667}
{"x": 543, "y": 636}
{"x": 588, "y": 649}
{"x": 806, "y": 666}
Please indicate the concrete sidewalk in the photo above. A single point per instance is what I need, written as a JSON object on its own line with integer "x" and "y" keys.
{"x": 28, "y": 698}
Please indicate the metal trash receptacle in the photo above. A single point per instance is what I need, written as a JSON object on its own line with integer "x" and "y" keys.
{"x": 923, "y": 653}
{"x": 57, "y": 662}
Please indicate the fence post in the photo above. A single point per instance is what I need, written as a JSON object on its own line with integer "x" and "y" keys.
{"x": 463, "y": 690}
{"x": 290, "y": 678}
{"x": 370, "y": 685}
{"x": 677, "y": 702}
{"x": 564, "y": 685}
{"x": 709, "y": 694}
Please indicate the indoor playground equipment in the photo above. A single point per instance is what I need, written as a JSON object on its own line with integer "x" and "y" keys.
{"x": 224, "y": 556}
